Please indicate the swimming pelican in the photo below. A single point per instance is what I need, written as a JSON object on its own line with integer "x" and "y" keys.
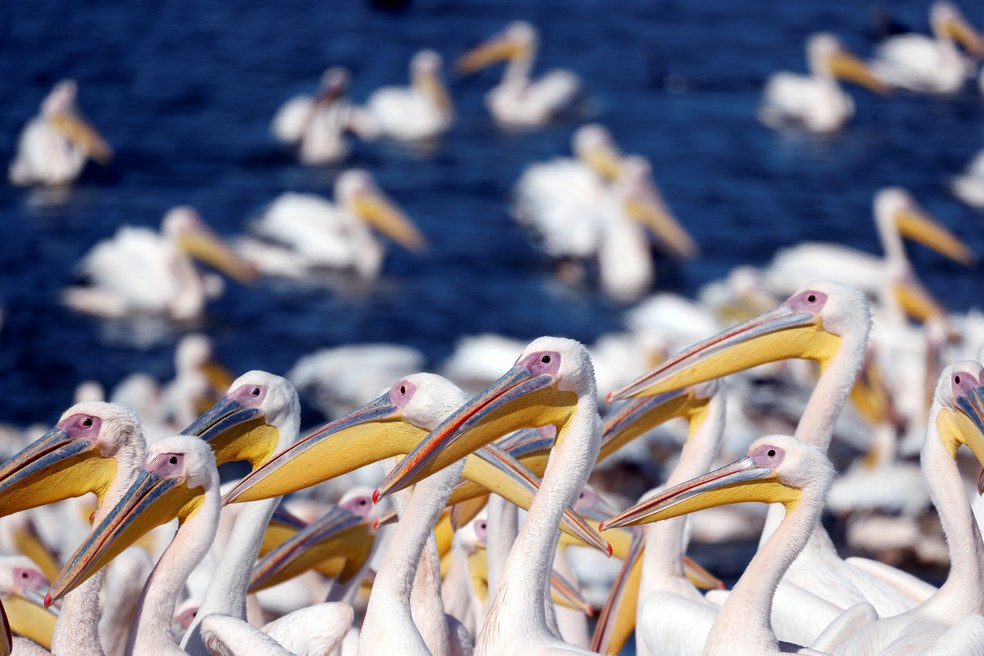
{"x": 316, "y": 234}
{"x": 421, "y": 111}
{"x": 815, "y": 101}
{"x": 54, "y": 146}
{"x": 518, "y": 100}
{"x": 969, "y": 185}
{"x": 931, "y": 64}
{"x": 826, "y": 322}
{"x": 778, "y": 469}
{"x": 142, "y": 272}
{"x": 552, "y": 382}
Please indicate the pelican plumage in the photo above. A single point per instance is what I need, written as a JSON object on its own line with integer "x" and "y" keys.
{"x": 22, "y": 586}
{"x": 552, "y": 382}
{"x": 55, "y": 145}
{"x": 931, "y": 64}
{"x": 969, "y": 185}
{"x": 140, "y": 272}
{"x": 421, "y": 111}
{"x": 815, "y": 101}
{"x": 517, "y": 99}
{"x": 312, "y": 234}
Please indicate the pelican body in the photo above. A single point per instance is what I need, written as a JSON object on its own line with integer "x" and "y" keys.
{"x": 421, "y": 111}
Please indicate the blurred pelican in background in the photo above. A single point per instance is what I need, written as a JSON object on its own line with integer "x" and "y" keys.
{"x": 143, "y": 272}
{"x": 969, "y": 185}
{"x": 54, "y": 145}
{"x": 300, "y": 234}
{"x": 816, "y": 101}
{"x": 931, "y": 64}
{"x": 517, "y": 99}
{"x": 317, "y": 124}
{"x": 421, "y": 111}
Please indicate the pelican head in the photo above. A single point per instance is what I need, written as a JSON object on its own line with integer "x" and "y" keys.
{"x": 960, "y": 422}
{"x": 257, "y": 416}
{"x": 777, "y": 469}
{"x": 356, "y": 191}
{"x": 542, "y": 388}
{"x": 518, "y": 40}
{"x": 22, "y": 587}
{"x": 827, "y": 57}
{"x": 60, "y": 111}
{"x": 896, "y": 210}
{"x": 810, "y": 324}
{"x": 172, "y": 483}
{"x": 643, "y": 202}
{"x": 949, "y": 24}
{"x": 81, "y": 454}
{"x": 186, "y": 228}
{"x": 593, "y": 145}
{"x": 334, "y": 84}
{"x": 425, "y": 73}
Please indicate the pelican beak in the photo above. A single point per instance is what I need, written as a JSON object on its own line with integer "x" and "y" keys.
{"x": 375, "y": 431}
{"x": 83, "y": 136}
{"x": 738, "y": 482}
{"x": 206, "y": 246}
{"x": 848, "y": 67}
{"x": 519, "y": 399}
{"x": 236, "y": 432}
{"x": 916, "y": 301}
{"x": 496, "y": 49}
{"x": 376, "y": 210}
{"x": 663, "y": 224}
{"x": 337, "y": 545}
{"x": 636, "y": 417}
{"x": 430, "y": 86}
{"x": 566, "y": 594}
{"x": 29, "y": 618}
{"x": 920, "y": 226}
{"x": 964, "y": 425}
{"x": 779, "y": 334}
{"x": 617, "y": 617}
{"x": 55, "y": 467}
{"x": 603, "y": 160}
{"x": 960, "y": 30}
{"x": 152, "y": 500}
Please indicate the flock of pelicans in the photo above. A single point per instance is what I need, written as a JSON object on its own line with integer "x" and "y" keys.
{"x": 432, "y": 558}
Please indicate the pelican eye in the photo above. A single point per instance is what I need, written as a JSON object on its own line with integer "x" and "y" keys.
{"x": 545, "y": 359}
{"x": 956, "y": 379}
{"x": 87, "y": 422}
{"x": 255, "y": 391}
{"x": 812, "y": 298}
{"x": 173, "y": 460}
{"x": 771, "y": 453}
{"x": 403, "y": 389}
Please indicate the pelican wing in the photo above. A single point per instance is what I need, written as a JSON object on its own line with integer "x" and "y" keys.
{"x": 137, "y": 266}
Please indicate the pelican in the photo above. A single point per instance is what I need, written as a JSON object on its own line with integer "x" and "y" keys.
{"x": 21, "y": 588}
{"x": 317, "y": 125}
{"x": 54, "y": 146}
{"x": 140, "y": 272}
{"x": 826, "y": 322}
{"x": 815, "y": 101}
{"x": 969, "y": 185}
{"x": 931, "y": 64}
{"x": 317, "y": 235}
{"x": 421, "y": 111}
{"x": 552, "y": 382}
{"x": 518, "y": 100}
{"x": 777, "y": 469}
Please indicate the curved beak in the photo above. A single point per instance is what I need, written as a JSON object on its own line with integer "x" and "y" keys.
{"x": 617, "y": 618}
{"x": 959, "y": 29}
{"x": 206, "y": 246}
{"x": 85, "y": 137}
{"x": 6, "y": 637}
{"x": 657, "y": 217}
{"x": 964, "y": 425}
{"x": 337, "y": 545}
{"x": 53, "y": 468}
{"x": 562, "y": 591}
{"x": 916, "y": 301}
{"x": 848, "y": 67}
{"x": 236, "y": 432}
{"x": 379, "y": 212}
{"x": 151, "y": 501}
{"x": 519, "y": 399}
{"x": 735, "y": 483}
{"x": 374, "y": 432}
{"x": 636, "y": 417}
{"x": 779, "y": 334}
{"x": 29, "y": 618}
{"x": 603, "y": 160}
{"x": 920, "y": 226}
{"x": 496, "y": 49}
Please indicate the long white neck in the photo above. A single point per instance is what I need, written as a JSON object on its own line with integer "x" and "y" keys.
{"x": 226, "y": 593}
{"x": 150, "y": 628}
{"x": 517, "y": 73}
{"x": 390, "y": 618}
{"x": 963, "y": 591}
{"x": 189, "y": 300}
{"x": 503, "y": 527}
{"x": 745, "y": 618}
{"x": 518, "y": 612}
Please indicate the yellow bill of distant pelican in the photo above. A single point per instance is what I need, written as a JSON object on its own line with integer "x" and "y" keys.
{"x": 158, "y": 495}
{"x": 496, "y": 49}
{"x": 206, "y": 246}
{"x": 848, "y": 67}
{"x": 376, "y": 210}
{"x": 85, "y": 137}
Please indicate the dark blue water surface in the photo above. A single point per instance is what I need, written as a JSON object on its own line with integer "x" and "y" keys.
{"x": 185, "y": 92}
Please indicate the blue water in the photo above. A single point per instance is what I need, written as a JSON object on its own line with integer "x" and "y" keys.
{"x": 185, "y": 91}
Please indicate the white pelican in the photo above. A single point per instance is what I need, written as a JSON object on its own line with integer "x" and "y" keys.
{"x": 969, "y": 185}
{"x": 825, "y": 322}
{"x": 312, "y": 234}
{"x": 778, "y": 469}
{"x": 21, "y": 589}
{"x": 54, "y": 146}
{"x": 931, "y": 64}
{"x": 956, "y": 419}
{"x": 142, "y": 272}
{"x": 551, "y": 383}
{"x": 421, "y": 111}
{"x": 815, "y": 101}
{"x": 518, "y": 100}
{"x": 317, "y": 125}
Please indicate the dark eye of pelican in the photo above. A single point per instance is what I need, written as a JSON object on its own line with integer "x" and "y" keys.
{"x": 545, "y": 359}
{"x": 956, "y": 379}
{"x": 87, "y": 422}
{"x": 173, "y": 460}
{"x": 23, "y": 575}
{"x": 771, "y": 453}
{"x": 812, "y": 298}
{"x": 255, "y": 391}
{"x": 403, "y": 389}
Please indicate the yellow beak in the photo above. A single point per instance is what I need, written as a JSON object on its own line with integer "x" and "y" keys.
{"x": 385, "y": 217}
{"x": 29, "y": 618}
{"x": 964, "y": 425}
{"x": 663, "y": 224}
{"x": 961, "y": 31}
{"x": 205, "y": 246}
{"x": 848, "y": 67}
{"x": 925, "y": 229}
{"x": 495, "y": 50}
{"x": 236, "y": 432}
{"x": 634, "y": 418}
{"x": 83, "y": 136}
